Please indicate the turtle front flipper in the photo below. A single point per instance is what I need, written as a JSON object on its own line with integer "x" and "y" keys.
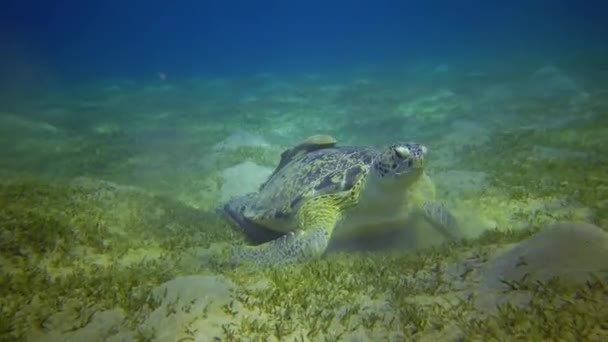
{"x": 234, "y": 210}
{"x": 317, "y": 220}
{"x": 441, "y": 219}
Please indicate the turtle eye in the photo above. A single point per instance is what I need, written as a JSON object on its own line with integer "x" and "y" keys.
{"x": 402, "y": 151}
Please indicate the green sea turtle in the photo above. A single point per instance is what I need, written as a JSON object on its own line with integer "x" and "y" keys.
{"x": 320, "y": 191}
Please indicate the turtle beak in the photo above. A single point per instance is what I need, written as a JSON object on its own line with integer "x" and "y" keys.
{"x": 402, "y": 151}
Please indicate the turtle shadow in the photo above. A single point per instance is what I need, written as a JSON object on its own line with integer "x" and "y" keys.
{"x": 392, "y": 240}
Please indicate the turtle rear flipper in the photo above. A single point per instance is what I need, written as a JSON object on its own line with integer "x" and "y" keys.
{"x": 441, "y": 219}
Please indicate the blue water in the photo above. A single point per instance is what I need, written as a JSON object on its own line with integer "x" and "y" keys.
{"x": 137, "y": 39}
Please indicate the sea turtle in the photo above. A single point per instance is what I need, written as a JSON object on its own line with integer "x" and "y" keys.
{"x": 320, "y": 190}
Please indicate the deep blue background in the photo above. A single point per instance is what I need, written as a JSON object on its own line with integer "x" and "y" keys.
{"x": 136, "y": 39}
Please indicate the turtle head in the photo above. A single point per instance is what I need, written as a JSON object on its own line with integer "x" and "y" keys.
{"x": 400, "y": 160}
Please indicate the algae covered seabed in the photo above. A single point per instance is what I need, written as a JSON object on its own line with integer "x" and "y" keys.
{"x": 108, "y": 193}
